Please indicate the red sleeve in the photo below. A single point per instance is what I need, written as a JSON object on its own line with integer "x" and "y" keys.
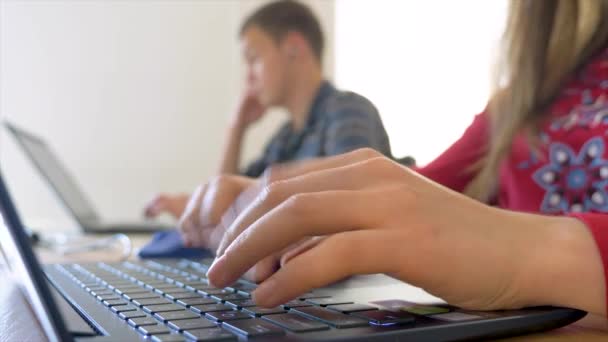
{"x": 452, "y": 167}
{"x": 598, "y": 226}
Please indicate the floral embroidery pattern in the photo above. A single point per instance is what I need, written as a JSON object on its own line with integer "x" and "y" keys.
{"x": 574, "y": 182}
{"x": 590, "y": 114}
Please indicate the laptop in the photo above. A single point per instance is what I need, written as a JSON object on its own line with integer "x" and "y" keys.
{"x": 58, "y": 177}
{"x": 171, "y": 300}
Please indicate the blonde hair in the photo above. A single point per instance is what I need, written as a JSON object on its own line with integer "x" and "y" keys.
{"x": 545, "y": 41}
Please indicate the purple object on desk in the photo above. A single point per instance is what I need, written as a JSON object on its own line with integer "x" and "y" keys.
{"x": 168, "y": 244}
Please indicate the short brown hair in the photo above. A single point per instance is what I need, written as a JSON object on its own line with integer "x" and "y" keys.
{"x": 280, "y": 17}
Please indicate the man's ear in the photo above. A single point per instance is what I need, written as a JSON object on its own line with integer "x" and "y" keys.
{"x": 293, "y": 44}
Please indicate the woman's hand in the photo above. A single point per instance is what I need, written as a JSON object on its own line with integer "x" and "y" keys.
{"x": 379, "y": 217}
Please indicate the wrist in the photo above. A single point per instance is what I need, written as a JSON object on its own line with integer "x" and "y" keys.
{"x": 563, "y": 267}
{"x": 238, "y": 127}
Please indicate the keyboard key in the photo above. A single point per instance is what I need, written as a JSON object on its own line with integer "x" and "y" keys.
{"x": 296, "y": 323}
{"x": 253, "y": 327}
{"x": 194, "y": 284}
{"x": 189, "y": 324}
{"x": 153, "y": 329}
{"x": 103, "y": 293}
{"x": 153, "y": 283}
{"x": 95, "y": 288}
{"x": 152, "y": 309}
{"x": 223, "y": 316}
{"x": 126, "y": 286}
{"x": 115, "y": 302}
{"x": 258, "y": 311}
{"x": 132, "y": 291}
{"x": 146, "y": 295}
{"x": 210, "y": 308}
{"x": 131, "y": 314}
{"x": 178, "y": 281}
{"x": 296, "y": 304}
{"x": 332, "y": 318}
{"x": 108, "y": 297}
{"x": 426, "y": 310}
{"x": 182, "y": 295}
{"x": 168, "y": 338}
{"x": 231, "y": 297}
{"x": 196, "y": 301}
{"x": 172, "y": 289}
{"x": 348, "y": 308}
{"x": 200, "y": 287}
{"x": 187, "y": 282}
{"x": 140, "y": 322}
{"x": 211, "y": 291}
{"x": 384, "y": 317}
{"x": 119, "y": 284}
{"x": 242, "y": 286}
{"x": 242, "y": 304}
{"x": 175, "y": 315}
{"x": 326, "y": 301}
{"x": 210, "y": 334}
{"x": 310, "y": 295}
{"x": 151, "y": 301}
{"x": 123, "y": 308}
{"x": 162, "y": 285}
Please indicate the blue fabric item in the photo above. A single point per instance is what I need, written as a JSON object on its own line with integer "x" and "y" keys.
{"x": 168, "y": 244}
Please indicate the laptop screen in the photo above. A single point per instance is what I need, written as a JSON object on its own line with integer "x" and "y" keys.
{"x": 55, "y": 173}
{"x": 25, "y": 269}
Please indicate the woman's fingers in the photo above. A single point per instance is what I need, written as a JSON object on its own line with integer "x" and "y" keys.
{"x": 303, "y": 215}
{"x": 350, "y": 177}
{"x": 206, "y": 206}
{"x": 300, "y": 248}
{"x": 333, "y": 259}
{"x": 286, "y": 171}
{"x": 221, "y": 193}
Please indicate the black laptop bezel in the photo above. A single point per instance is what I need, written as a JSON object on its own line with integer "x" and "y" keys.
{"x": 37, "y": 289}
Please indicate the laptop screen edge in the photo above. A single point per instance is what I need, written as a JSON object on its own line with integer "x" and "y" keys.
{"x": 26, "y": 269}
{"x": 19, "y": 135}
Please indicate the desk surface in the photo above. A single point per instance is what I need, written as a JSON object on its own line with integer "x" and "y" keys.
{"x": 18, "y": 323}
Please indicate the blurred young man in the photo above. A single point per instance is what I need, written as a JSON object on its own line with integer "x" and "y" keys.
{"x": 282, "y": 44}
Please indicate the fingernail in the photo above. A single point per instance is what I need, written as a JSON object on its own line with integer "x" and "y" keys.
{"x": 265, "y": 293}
{"x": 216, "y": 275}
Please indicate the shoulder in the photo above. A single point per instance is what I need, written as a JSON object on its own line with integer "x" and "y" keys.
{"x": 349, "y": 104}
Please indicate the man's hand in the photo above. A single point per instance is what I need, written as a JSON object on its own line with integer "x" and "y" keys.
{"x": 171, "y": 204}
{"x": 249, "y": 110}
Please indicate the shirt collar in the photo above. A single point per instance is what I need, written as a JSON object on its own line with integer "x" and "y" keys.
{"x": 316, "y": 109}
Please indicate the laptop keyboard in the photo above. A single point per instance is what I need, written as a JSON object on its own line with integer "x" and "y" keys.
{"x": 173, "y": 301}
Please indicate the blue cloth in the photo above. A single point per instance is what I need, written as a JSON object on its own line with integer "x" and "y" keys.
{"x": 168, "y": 244}
{"x": 338, "y": 122}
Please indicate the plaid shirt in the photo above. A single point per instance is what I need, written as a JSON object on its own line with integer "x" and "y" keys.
{"x": 338, "y": 122}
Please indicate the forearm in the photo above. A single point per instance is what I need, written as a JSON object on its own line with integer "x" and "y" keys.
{"x": 231, "y": 155}
{"x": 566, "y": 267}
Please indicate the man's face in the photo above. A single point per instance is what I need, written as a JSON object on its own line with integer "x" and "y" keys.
{"x": 266, "y": 66}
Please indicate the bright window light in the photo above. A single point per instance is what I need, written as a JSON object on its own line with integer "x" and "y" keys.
{"x": 425, "y": 64}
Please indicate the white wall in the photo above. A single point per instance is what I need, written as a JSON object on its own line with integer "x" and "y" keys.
{"x": 426, "y": 64}
{"x": 133, "y": 95}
